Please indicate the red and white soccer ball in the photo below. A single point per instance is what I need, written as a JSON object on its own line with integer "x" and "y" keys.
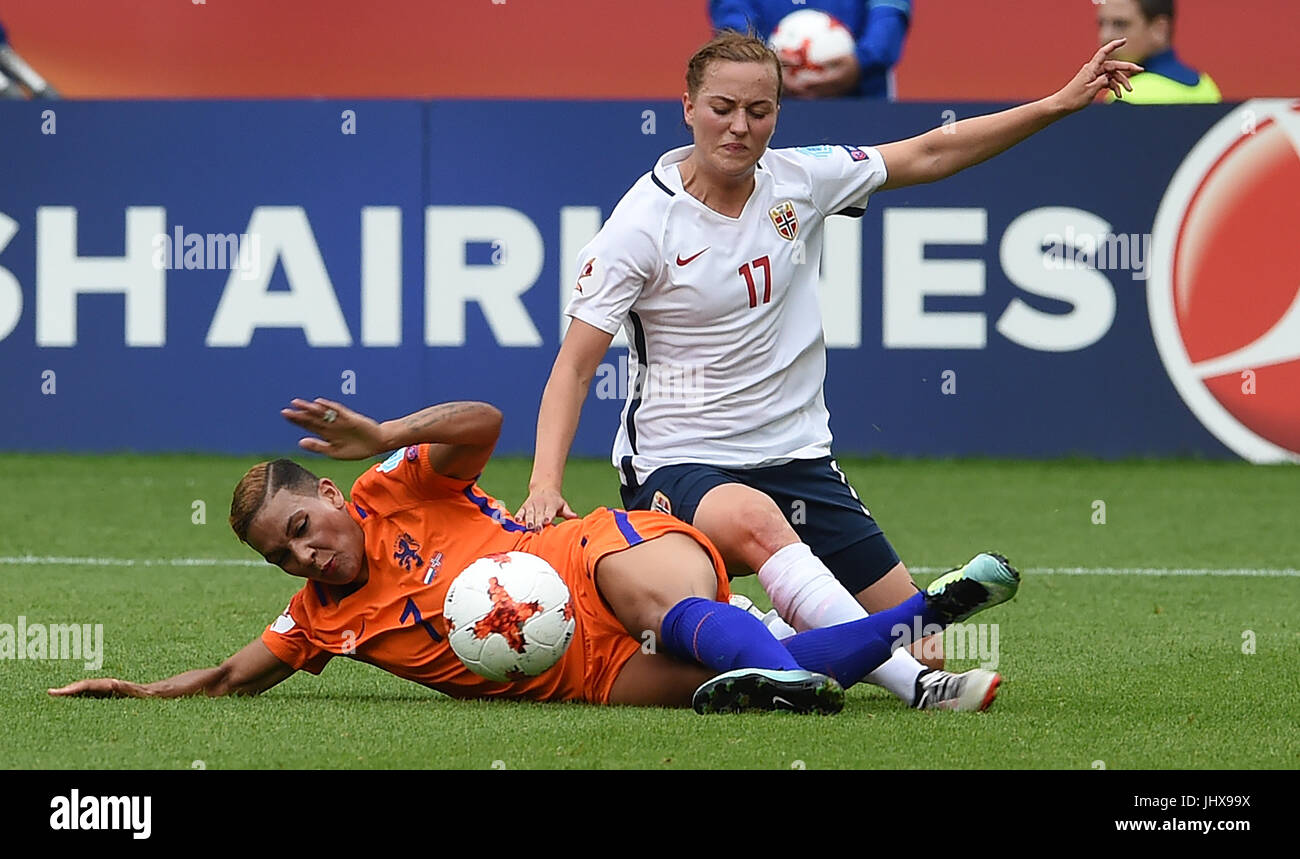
{"x": 807, "y": 39}
{"x": 509, "y": 615}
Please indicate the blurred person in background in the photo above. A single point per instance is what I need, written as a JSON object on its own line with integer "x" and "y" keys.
{"x": 878, "y": 27}
{"x": 17, "y": 78}
{"x": 1149, "y": 27}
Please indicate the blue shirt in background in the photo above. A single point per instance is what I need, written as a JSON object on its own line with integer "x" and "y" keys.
{"x": 878, "y": 27}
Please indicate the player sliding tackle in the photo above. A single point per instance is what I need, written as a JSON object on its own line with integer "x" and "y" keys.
{"x": 711, "y": 263}
{"x": 378, "y": 567}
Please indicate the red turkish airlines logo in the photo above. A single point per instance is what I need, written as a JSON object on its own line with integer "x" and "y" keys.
{"x": 1224, "y": 297}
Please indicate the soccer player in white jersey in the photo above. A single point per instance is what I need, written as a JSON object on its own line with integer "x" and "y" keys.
{"x": 710, "y": 263}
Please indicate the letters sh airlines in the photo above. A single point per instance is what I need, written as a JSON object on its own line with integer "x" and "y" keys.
{"x": 450, "y": 284}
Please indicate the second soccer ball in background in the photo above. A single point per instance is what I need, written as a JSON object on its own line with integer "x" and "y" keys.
{"x": 807, "y": 39}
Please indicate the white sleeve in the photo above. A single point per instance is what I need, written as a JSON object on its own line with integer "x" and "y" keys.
{"x": 842, "y": 177}
{"x": 611, "y": 272}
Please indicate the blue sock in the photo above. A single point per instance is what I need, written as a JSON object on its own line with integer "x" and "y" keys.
{"x": 721, "y": 636}
{"x": 850, "y": 651}
{"x": 906, "y": 622}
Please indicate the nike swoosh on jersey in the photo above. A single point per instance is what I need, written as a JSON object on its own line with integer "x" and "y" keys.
{"x": 689, "y": 259}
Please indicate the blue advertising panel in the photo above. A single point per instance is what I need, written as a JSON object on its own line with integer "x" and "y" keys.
{"x": 172, "y": 273}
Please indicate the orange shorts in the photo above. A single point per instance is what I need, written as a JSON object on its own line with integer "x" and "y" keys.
{"x": 607, "y": 645}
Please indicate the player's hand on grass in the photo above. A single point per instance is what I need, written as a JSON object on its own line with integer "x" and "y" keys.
{"x": 94, "y": 687}
{"x": 1099, "y": 73}
{"x": 343, "y": 433}
{"x": 541, "y": 508}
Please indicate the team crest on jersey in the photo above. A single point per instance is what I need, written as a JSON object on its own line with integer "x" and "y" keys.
{"x": 661, "y": 504}
{"x": 408, "y": 553}
{"x": 588, "y": 269}
{"x": 855, "y": 153}
{"x": 785, "y": 220}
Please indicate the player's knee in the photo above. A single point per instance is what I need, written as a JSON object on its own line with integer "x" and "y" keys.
{"x": 686, "y": 571}
{"x": 694, "y": 577}
{"x": 765, "y": 532}
{"x": 751, "y": 531}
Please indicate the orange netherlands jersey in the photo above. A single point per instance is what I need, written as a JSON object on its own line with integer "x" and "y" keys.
{"x": 421, "y": 530}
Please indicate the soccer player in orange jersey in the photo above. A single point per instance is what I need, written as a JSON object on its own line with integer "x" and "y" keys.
{"x": 379, "y": 564}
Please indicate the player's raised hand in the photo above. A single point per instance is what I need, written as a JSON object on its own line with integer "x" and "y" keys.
{"x": 837, "y": 77}
{"x": 542, "y": 507}
{"x": 343, "y": 433}
{"x": 94, "y": 687}
{"x": 1099, "y": 73}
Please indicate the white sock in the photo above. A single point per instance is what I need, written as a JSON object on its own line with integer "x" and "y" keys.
{"x": 778, "y": 627}
{"x": 806, "y": 594}
{"x": 898, "y": 674}
{"x": 804, "y": 591}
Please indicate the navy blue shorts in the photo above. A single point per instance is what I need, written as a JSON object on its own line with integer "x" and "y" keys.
{"x": 813, "y": 494}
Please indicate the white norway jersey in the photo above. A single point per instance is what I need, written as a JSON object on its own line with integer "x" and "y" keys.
{"x": 723, "y": 322}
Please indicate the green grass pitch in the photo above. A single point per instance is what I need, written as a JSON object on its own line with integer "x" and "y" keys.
{"x": 1128, "y": 668}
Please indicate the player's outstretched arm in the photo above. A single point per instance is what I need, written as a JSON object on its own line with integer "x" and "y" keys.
{"x": 461, "y": 435}
{"x": 557, "y": 421}
{"x": 941, "y": 152}
{"x": 252, "y": 670}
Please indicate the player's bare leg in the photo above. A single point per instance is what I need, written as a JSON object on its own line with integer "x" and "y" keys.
{"x": 667, "y": 586}
{"x": 890, "y": 590}
{"x": 657, "y": 680}
{"x": 643, "y": 582}
{"x": 749, "y": 528}
{"x": 753, "y": 535}
{"x": 745, "y": 524}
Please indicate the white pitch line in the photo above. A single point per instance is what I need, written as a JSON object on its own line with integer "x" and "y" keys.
{"x": 923, "y": 571}
{"x": 1123, "y": 571}
{"x": 130, "y": 562}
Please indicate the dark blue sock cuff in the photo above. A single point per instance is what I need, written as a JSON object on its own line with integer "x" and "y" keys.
{"x": 681, "y": 624}
{"x": 722, "y": 637}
